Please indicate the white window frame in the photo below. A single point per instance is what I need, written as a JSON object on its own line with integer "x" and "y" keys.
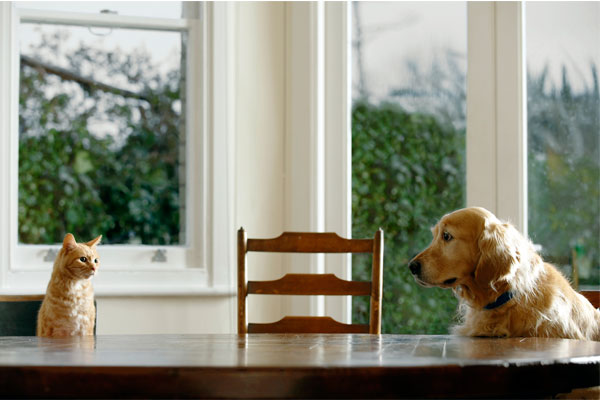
{"x": 496, "y": 110}
{"x": 204, "y": 264}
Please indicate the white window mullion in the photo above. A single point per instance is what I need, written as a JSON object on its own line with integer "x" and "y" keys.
{"x": 304, "y": 149}
{"x": 7, "y": 21}
{"x": 197, "y": 121}
{"x": 481, "y": 106}
{"x": 317, "y": 138}
{"x": 496, "y": 133}
{"x": 338, "y": 163}
{"x": 511, "y": 114}
{"x": 223, "y": 127}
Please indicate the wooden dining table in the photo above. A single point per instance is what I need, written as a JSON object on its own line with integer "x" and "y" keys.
{"x": 294, "y": 366}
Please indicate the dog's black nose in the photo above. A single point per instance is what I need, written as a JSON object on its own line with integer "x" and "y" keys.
{"x": 415, "y": 267}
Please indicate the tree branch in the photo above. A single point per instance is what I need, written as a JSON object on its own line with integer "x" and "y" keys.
{"x": 86, "y": 83}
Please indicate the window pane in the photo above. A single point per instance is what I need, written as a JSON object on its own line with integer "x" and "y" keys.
{"x": 408, "y": 146}
{"x": 100, "y": 135}
{"x": 563, "y": 54}
{"x": 158, "y": 9}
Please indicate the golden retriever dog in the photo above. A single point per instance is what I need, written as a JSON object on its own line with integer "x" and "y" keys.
{"x": 503, "y": 286}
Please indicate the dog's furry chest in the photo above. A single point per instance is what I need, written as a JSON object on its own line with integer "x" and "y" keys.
{"x": 559, "y": 318}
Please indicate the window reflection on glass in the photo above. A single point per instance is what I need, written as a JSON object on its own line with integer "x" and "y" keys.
{"x": 408, "y": 146}
{"x": 100, "y": 134}
{"x": 563, "y": 54}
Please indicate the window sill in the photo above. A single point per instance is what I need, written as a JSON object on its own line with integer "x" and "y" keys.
{"x": 142, "y": 291}
{"x": 164, "y": 290}
{"x": 111, "y": 282}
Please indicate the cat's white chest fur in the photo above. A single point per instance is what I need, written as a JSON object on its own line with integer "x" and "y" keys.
{"x": 79, "y": 319}
{"x": 80, "y": 322}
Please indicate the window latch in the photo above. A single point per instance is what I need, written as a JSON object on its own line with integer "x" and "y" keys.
{"x": 160, "y": 256}
{"x": 50, "y": 255}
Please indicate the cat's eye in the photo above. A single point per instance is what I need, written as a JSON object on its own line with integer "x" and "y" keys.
{"x": 83, "y": 259}
{"x": 96, "y": 260}
{"x": 447, "y": 236}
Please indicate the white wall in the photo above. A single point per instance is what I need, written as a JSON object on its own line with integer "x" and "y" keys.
{"x": 259, "y": 185}
{"x": 141, "y": 315}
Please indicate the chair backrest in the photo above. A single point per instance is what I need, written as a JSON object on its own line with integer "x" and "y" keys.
{"x": 311, "y": 284}
{"x": 18, "y": 314}
{"x": 593, "y": 296}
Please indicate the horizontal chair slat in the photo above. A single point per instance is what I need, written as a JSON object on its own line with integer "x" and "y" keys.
{"x": 307, "y": 325}
{"x": 310, "y": 284}
{"x": 593, "y": 296}
{"x": 310, "y": 242}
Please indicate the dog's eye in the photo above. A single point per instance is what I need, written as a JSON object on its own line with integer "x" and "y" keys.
{"x": 82, "y": 259}
{"x": 447, "y": 237}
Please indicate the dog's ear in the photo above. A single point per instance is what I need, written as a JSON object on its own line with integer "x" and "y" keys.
{"x": 498, "y": 253}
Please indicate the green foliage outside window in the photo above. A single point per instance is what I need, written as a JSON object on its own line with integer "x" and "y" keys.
{"x": 564, "y": 174}
{"x": 407, "y": 171}
{"x": 124, "y": 186}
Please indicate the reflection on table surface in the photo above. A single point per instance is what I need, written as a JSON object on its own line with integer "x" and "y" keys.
{"x": 290, "y": 350}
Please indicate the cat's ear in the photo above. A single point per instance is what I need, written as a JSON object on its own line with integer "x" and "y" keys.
{"x": 94, "y": 242}
{"x": 69, "y": 242}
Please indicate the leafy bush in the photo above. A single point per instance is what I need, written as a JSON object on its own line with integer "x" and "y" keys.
{"x": 124, "y": 185}
{"x": 564, "y": 174}
{"x": 407, "y": 171}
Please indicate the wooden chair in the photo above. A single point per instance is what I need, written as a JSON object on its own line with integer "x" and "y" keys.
{"x": 18, "y": 314}
{"x": 311, "y": 284}
{"x": 593, "y": 296}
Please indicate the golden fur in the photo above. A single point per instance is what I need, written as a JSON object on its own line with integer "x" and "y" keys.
{"x": 480, "y": 258}
{"x": 68, "y": 307}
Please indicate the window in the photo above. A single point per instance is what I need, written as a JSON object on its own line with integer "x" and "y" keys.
{"x": 101, "y": 133}
{"x": 408, "y": 146}
{"x": 563, "y": 55}
{"x": 109, "y": 120}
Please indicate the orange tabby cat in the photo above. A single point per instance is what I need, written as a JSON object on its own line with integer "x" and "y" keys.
{"x": 68, "y": 308}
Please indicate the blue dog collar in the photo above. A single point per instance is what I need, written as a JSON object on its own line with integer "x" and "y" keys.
{"x": 503, "y": 299}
